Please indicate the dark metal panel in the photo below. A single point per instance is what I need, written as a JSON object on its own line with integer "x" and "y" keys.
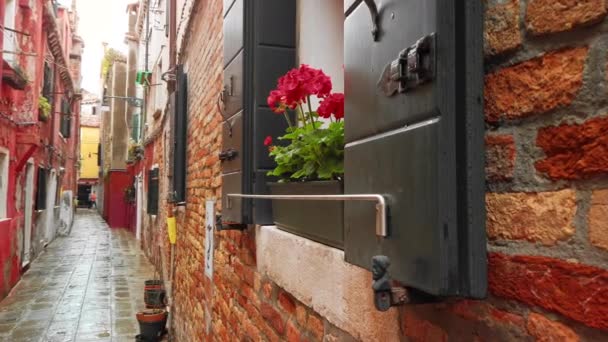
{"x": 261, "y": 209}
{"x": 276, "y": 22}
{"x": 232, "y": 208}
{"x": 233, "y": 84}
{"x": 404, "y": 165}
{"x": 370, "y": 111}
{"x": 266, "y": 123}
{"x": 232, "y": 140}
{"x": 233, "y": 31}
{"x": 270, "y": 64}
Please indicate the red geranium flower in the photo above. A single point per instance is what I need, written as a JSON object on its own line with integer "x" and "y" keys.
{"x": 295, "y": 86}
{"x": 332, "y": 104}
{"x": 268, "y": 141}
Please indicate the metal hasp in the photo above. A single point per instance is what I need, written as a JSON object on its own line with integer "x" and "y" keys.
{"x": 381, "y": 229}
{"x": 373, "y": 11}
{"x": 229, "y": 154}
{"x": 385, "y": 294}
{"x": 413, "y": 67}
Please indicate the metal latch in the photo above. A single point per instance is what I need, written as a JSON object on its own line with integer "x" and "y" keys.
{"x": 414, "y": 66}
{"x": 228, "y": 154}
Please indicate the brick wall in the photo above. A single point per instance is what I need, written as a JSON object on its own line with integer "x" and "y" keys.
{"x": 547, "y": 170}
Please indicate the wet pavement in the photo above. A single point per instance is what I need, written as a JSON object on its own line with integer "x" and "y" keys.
{"x": 84, "y": 287}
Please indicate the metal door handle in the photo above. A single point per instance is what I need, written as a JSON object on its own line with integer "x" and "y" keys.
{"x": 373, "y": 10}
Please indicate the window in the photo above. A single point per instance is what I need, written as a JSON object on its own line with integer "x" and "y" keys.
{"x": 41, "y": 189}
{"x": 153, "y": 187}
{"x": 66, "y": 118}
{"x": 4, "y": 166}
{"x": 48, "y": 82}
{"x": 180, "y": 136}
{"x": 10, "y": 37}
{"x": 417, "y": 139}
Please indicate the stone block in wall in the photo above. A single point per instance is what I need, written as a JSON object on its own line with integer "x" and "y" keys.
{"x": 574, "y": 151}
{"x": 544, "y": 329}
{"x": 576, "y": 291}
{"x": 552, "y": 16}
{"x": 536, "y": 86}
{"x": 501, "y": 31}
{"x": 546, "y": 217}
{"x": 597, "y": 220}
{"x": 500, "y": 157}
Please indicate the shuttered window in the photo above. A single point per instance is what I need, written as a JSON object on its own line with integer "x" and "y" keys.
{"x": 47, "y": 87}
{"x": 180, "y": 137}
{"x": 41, "y": 189}
{"x": 153, "y": 177}
{"x": 66, "y": 118}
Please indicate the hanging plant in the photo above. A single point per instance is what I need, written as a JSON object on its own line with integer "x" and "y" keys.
{"x": 44, "y": 109}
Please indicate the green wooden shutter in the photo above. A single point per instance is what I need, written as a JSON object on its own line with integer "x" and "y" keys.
{"x": 41, "y": 189}
{"x": 153, "y": 178}
{"x": 180, "y": 136}
{"x": 417, "y": 138}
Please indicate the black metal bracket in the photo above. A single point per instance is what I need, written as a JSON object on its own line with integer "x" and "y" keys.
{"x": 373, "y": 11}
{"x": 223, "y": 226}
{"x": 385, "y": 294}
{"x": 228, "y": 154}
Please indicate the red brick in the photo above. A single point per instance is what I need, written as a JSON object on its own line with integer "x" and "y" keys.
{"x": 251, "y": 331}
{"x": 420, "y": 330}
{"x": 501, "y": 33}
{"x": 292, "y": 334}
{"x": 598, "y": 218}
{"x": 273, "y": 317}
{"x": 286, "y": 302}
{"x": 552, "y": 16}
{"x": 536, "y": 86}
{"x": 500, "y": 157}
{"x": 267, "y": 289}
{"x": 315, "y": 326}
{"x": 546, "y": 217}
{"x": 546, "y": 330}
{"x": 574, "y": 151}
{"x": 579, "y": 292}
{"x": 301, "y": 314}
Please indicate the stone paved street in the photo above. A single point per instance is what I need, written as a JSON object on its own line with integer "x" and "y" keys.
{"x": 84, "y": 287}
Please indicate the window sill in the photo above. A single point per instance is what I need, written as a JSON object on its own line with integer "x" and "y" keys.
{"x": 318, "y": 276}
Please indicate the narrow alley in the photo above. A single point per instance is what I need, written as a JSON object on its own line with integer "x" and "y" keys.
{"x": 84, "y": 287}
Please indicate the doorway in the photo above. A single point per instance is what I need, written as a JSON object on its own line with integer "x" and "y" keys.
{"x": 29, "y": 212}
{"x": 84, "y": 191}
{"x": 51, "y": 198}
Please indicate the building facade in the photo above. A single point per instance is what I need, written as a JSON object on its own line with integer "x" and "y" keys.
{"x": 544, "y": 116}
{"x": 40, "y": 94}
{"x": 88, "y": 181}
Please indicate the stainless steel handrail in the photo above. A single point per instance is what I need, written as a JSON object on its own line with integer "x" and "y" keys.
{"x": 381, "y": 229}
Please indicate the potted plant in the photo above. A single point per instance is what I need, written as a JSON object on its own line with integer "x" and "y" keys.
{"x": 310, "y": 156}
{"x": 44, "y": 109}
{"x": 151, "y": 324}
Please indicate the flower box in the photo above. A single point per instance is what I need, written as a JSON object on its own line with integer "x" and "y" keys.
{"x": 321, "y": 221}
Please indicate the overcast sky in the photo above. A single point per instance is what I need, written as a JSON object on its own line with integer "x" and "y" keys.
{"x": 100, "y": 21}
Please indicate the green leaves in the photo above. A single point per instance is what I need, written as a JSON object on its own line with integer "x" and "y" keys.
{"x": 310, "y": 152}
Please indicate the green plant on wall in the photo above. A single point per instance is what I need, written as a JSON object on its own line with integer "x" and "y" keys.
{"x": 108, "y": 59}
{"x": 44, "y": 108}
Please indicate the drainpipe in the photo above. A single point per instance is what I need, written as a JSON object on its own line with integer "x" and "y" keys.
{"x": 172, "y": 43}
{"x": 144, "y": 106}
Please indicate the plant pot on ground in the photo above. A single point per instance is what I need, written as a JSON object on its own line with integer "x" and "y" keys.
{"x": 151, "y": 325}
{"x": 154, "y": 294}
{"x": 309, "y": 157}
